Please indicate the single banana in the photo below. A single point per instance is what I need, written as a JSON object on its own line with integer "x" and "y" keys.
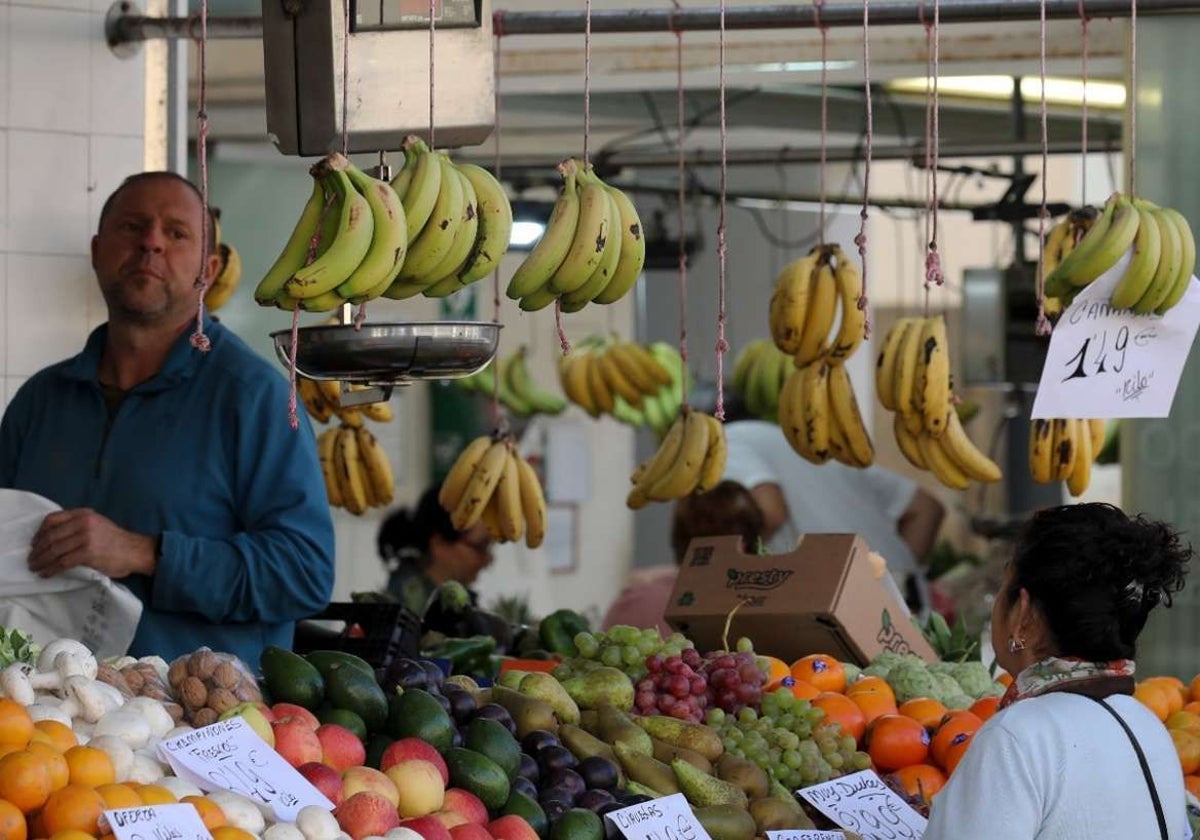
{"x": 574, "y": 378}
{"x": 380, "y": 412}
{"x": 591, "y": 235}
{"x": 791, "y": 420}
{"x": 654, "y": 365}
{"x": 633, "y": 250}
{"x": 852, "y": 329}
{"x": 1184, "y": 278}
{"x": 295, "y": 252}
{"x": 464, "y": 239}
{"x": 616, "y": 380}
{"x": 350, "y": 472}
{"x": 683, "y": 475}
{"x": 377, "y": 467}
{"x": 656, "y": 415}
{"x": 1118, "y": 238}
{"x": 602, "y": 394}
{"x": 227, "y": 280}
{"x": 491, "y": 518}
{"x": 435, "y": 241}
{"x": 1041, "y": 451}
{"x": 907, "y": 442}
{"x": 815, "y": 410}
{"x": 663, "y": 459}
{"x": 605, "y": 269}
{"x": 325, "y": 446}
{"x": 538, "y": 299}
{"x": 1147, "y": 253}
{"x": 455, "y": 482}
{"x": 480, "y": 487}
{"x": 419, "y": 186}
{"x": 309, "y": 392}
{"x": 885, "y": 364}
{"x": 818, "y": 322}
{"x": 934, "y": 383}
{"x": 1169, "y": 263}
{"x": 1056, "y": 240}
{"x": 520, "y": 382}
{"x": 326, "y": 302}
{"x": 389, "y": 240}
{"x": 351, "y": 417}
{"x": 548, "y": 254}
{"x": 356, "y": 227}
{"x": 940, "y": 464}
{"x": 1096, "y": 430}
{"x": 510, "y": 517}
{"x": 745, "y": 362}
{"x": 637, "y": 366}
{"x": 533, "y": 504}
{"x": 495, "y": 224}
{"x": 1081, "y": 471}
{"x": 713, "y": 469}
{"x": 958, "y": 447}
{"x": 788, "y": 309}
{"x": 905, "y": 377}
{"x": 847, "y": 418}
{"x": 1063, "y": 448}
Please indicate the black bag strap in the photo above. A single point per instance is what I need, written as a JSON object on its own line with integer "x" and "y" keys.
{"x": 1141, "y": 757}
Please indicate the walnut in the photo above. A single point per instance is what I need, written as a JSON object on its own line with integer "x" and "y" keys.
{"x": 204, "y": 717}
{"x": 201, "y": 664}
{"x": 154, "y": 692}
{"x": 175, "y": 711}
{"x": 221, "y": 700}
{"x": 226, "y": 675}
{"x": 110, "y": 675}
{"x": 177, "y": 673}
{"x": 133, "y": 679}
{"x": 247, "y": 692}
{"x": 193, "y": 693}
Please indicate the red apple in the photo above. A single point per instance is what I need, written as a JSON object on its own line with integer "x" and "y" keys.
{"x": 324, "y": 778}
{"x": 467, "y": 804}
{"x": 368, "y": 780}
{"x": 366, "y": 815}
{"x": 512, "y": 827}
{"x": 283, "y": 711}
{"x": 340, "y": 748}
{"x": 428, "y": 827}
{"x": 296, "y": 742}
{"x": 470, "y": 831}
{"x": 407, "y": 749}
{"x": 420, "y": 786}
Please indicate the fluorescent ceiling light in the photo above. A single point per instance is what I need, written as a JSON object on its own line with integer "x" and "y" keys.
{"x": 1059, "y": 91}
{"x": 524, "y": 233}
{"x": 800, "y": 66}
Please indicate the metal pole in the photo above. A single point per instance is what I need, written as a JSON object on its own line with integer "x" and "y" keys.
{"x": 127, "y": 27}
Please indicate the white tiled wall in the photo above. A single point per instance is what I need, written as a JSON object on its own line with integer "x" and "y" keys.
{"x": 71, "y": 127}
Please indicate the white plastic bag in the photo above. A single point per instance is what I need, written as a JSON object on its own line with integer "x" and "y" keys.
{"x": 80, "y": 603}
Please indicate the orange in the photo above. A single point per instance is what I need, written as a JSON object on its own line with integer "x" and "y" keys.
{"x": 921, "y": 780}
{"x": 801, "y": 689}
{"x": 871, "y": 685}
{"x": 75, "y": 806}
{"x": 1192, "y": 783}
{"x": 56, "y": 764}
{"x": 1193, "y": 707}
{"x": 895, "y": 741}
{"x": 954, "y": 729}
{"x": 777, "y": 669}
{"x": 822, "y": 671}
{"x": 16, "y": 726}
{"x": 1194, "y": 689}
{"x": 24, "y": 780}
{"x": 90, "y": 766}
{"x": 873, "y": 704}
{"x": 955, "y": 753}
{"x": 210, "y": 812}
{"x": 72, "y": 834}
{"x": 1173, "y": 688}
{"x": 155, "y": 795}
{"x": 228, "y": 832}
{"x": 1155, "y": 698}
{"x": 119, "y": 796}
{"x": 1005, "y": 679}
{"x": 843, "y": 711}
{"x": 1185, "y": 720}
{"x": 1187, "y": 747}
{"x": 925, "y": 711}
{"x": 55, "y": 734}
{"x": 985, "y": 707}
{"x": 12, "y": 822}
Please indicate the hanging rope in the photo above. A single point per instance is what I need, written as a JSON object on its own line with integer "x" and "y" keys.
{"x": 861, "y": 240}
{"x": 1043, "y": 324}
{"x": 824, "y": 30}
{"x": 1084, "y": 27}
{"x": 198, "y": 339}
{"x": 498, "y": 26}
{"x": 1132, "y": 98}
{"x": 680, "y": 115}
{"x": 933, "y": 266}
{"x": 432, "y": 28}
{"x": 722, "y": 346}
{"x": 587, "y": 78}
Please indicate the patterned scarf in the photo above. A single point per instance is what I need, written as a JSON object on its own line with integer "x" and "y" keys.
{"x": 1098, "y": 679}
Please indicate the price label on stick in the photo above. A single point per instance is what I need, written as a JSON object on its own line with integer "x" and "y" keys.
{"x": 159, "y": 822}
{"x": 668, "y": 818}
{"x": 1109, "y": 363}
{"x": 229, "y": 755}
{"x": 805, "y": 834}
{"x": 862, "y": 803}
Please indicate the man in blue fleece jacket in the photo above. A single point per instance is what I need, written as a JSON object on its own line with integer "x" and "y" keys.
{"x": 176, "y": 469}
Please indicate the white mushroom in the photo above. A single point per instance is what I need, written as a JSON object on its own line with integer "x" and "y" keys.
{"x": 240, "y": 812}
{"x": 112, "y": 694}
{"x": 121, "y": 662}
{"x": 17, "y": 683}
{"x": 130, "y": 727}
{"x": 118, "y": 753}
{"x": 83, "y": 730}
{"x": 144, "y": 770}
{"x": 86, "y": 699}
{"x": 155, "y": 714}
{"x": 283, "y": 831}
{"x": 317, "y": 823}
{"x": 78, "y": 657}
{"x": 45, "y": 711}
{"x": 179, "y": 787}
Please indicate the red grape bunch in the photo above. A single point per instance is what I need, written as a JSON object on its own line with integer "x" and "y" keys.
{"x": 673, "y": 686}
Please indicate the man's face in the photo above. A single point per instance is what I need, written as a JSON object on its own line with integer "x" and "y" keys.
{"x": 147, "y": 253}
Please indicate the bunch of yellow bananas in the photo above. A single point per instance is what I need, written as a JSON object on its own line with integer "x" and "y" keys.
{"x": 491, "y": 482}
{"x": 592, "y": 249}
{"x": 357, "y": 472}
{"x": 804, "y": 307}
{"x": 323, "y": 400}
{"x": 759, "y": 375}
{"x": 518, "y": 392}
{"x": 819, "y": 415}
{"x": 1064, "y": 450}
{"x": 229, "y": 275}
{"x": 691, "y": 459}
{"x": 641, "y": 386}
{"x": 1090, "y": 242}
{"x": 912, "y": 379}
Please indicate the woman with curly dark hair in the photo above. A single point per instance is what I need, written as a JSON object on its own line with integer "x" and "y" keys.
{"x": 1071, "y": 754}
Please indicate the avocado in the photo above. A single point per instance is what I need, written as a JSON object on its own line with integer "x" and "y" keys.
{"x": 343, "y": 717}
{"x": 349, "y": 688}
{"x": 490, "y": 738}
{"x": 479, "y": 775}
{"x": 528, "y": 810}
{"x": 416, "y": 714}
{"x": 578, "y": 824}
{"x": 377, "y": 745}
{"x": 291, "y": 679}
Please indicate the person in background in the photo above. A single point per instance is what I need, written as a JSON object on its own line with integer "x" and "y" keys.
{"x": 727, "y": 510}
{"x": 1071, "y": 753}
{"x": 422, "y": 549}
{"x": 175, "y": 468}
{"x": 897, "y": 519}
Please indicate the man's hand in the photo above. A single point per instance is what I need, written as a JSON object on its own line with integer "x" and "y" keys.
{"x": 82, "y": 537}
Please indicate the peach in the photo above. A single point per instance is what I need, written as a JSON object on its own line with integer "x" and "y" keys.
{"x": 296, "y": 742}
{"x": 407, "y": 749}
{"x": 428, "y": 827}
{"x": 450, "y": 819}
{"x": 467, "y": 804}
{"x": 340, "y": 748}
{"x": 420, "y": 786}
{"x": 470, "y": 831}
{"x": 325, "y": 779}
{"x": 369, "y": 780}
{"x": 283, "y": 711}
{"x": 365, "y": 815}
{"x": 512, "y": 827}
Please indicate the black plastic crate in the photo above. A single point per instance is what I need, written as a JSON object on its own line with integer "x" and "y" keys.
{"x": 389, "y": 631}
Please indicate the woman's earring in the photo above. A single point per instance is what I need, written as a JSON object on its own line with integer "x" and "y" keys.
{"x": 1015, "y": 645}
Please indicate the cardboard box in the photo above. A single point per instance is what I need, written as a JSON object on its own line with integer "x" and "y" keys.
{"x": 821, "y": 598}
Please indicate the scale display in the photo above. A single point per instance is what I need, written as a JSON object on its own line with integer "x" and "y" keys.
{"x": 389, "y": 15}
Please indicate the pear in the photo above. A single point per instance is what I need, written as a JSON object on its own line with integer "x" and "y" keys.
{"x": 773, "y": 814}
{"x": 680, "y": 733}
{"x": 703, "y": 790}
{"x": 602, "y": 687}
{"x": 583, "y": 744}
{"x": 667, "y": 753}
{"x": 725, "y": 822}
{"x": 748, "y": 776}
{"x": 642, "y": 790}
{"x": 512, "y": 679}
{"x": 645, "y": 770}
{"x": 528, "y": 713}
{"x": 613, "y": 726}
{"x": 544, "y": 687}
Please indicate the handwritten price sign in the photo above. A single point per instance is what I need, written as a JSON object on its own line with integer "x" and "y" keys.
{"x": 668, "y": 818}
{"x": 862, "y": 803}
{"x": 160, "y": 822}
{"x": 1108, "y": 363}
{"x": 230, "y": 756}
{"x": 805, "y": 834}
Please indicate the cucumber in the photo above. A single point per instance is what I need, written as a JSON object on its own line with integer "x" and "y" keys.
{"x": 349, "y": 688}
{"x": 291, "y": 679}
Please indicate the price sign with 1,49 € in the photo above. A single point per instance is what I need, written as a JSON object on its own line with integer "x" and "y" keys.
{"x": 229, "y": 755}
{"x": 1108, "y": 363}
{"x": 667, "y": 818}
{"x": 862, "y": 803}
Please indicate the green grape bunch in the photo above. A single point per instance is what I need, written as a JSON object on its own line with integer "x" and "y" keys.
{"x": 623, "y": 647}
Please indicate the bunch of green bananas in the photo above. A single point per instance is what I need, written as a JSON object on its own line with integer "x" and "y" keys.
{"x": 592, "y": 250}
{"x": 1088, "y": 243}
{"x": 1064, "y": 450}
{"x": 517, "y": 390}
{"x": 758, "y": 375}
{"x": 636, "y": 385}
